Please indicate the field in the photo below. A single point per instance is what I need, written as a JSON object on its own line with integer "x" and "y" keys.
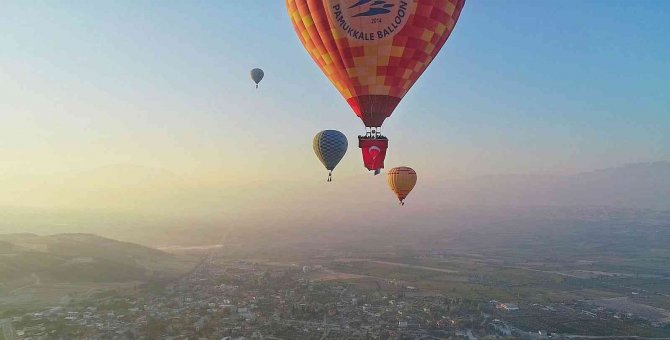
{"x": 52, "y": 294}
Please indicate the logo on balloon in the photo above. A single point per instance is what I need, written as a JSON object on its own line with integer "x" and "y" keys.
{"x": 369, "y": 20}
{"x": 376, "y": 8}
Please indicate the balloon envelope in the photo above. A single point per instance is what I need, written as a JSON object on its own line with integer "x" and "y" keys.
{"x": 401, "y": 180}
{"x": 373, "y": 51}
{"x": 257, "y": 75}
{"x": 330, "y": 146}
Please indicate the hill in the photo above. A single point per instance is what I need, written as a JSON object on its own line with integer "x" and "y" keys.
{"x": 71, "y": 258}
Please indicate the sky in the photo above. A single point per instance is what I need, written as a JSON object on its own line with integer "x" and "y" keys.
{"x": 520, "y": 87}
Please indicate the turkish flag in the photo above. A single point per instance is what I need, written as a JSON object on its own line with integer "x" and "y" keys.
{"x": 374, "y": 152}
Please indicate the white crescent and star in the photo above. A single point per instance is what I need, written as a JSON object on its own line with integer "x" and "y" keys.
{"x": 374, "y": 148}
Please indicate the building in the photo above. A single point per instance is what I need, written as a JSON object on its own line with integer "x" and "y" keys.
{"x": 507, "y": 306}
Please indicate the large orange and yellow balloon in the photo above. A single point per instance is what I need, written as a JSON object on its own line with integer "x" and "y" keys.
{"x": 401, "y": 180}
{"x": 373, "y": 51}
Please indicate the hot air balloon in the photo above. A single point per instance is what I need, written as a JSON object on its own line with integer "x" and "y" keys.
{"x": 401, "y": 180}
{"x": 257, "y": 75}
{"x": 373, "y": 52}
{"x": 330, "y": 146}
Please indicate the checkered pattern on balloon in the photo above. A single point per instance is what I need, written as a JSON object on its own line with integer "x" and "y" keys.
{"x": 373, "y": 51}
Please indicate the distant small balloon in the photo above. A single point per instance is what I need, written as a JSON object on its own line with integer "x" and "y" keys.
{"x": 401, "y": 180}
{"x": 330, "y": 146}
{"x": 257, "y": 75}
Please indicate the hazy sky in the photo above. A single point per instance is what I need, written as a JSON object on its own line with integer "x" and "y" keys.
{"x": 520, "y": 87}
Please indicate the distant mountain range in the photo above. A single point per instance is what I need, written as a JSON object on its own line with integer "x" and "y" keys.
{"x": 136, "y": 188}
{"x": 642, "y": 186}
{"x": 132, "y": 203}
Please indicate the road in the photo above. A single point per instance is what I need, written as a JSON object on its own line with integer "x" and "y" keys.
{"x": 37, "y": 282}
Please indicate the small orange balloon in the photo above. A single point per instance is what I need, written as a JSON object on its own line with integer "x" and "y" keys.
{"x": 401, "y": 180}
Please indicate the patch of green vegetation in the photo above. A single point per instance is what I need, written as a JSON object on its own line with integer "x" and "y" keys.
{"x": 11, "y": 312}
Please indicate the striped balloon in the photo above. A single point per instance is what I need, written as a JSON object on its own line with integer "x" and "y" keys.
{"x": 330, "y": 146}
{"x": 401, "y": 180}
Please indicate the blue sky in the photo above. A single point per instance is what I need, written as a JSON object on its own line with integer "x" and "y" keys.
{"x": 521, "y": 86}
